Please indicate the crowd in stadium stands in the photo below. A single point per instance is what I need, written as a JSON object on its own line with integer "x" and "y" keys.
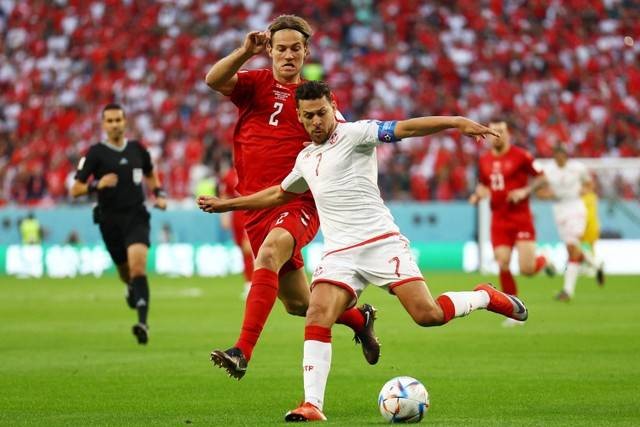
{"x": 558, "y": 71}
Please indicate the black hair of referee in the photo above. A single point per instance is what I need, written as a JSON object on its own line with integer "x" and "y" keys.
{"x": 118, "y": 168}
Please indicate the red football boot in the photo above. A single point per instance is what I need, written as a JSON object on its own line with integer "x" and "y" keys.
{"x": 305, "y": 412}
{"x": 504, "y": 304}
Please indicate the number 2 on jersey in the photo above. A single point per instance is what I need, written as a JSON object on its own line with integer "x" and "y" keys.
{"x": 278, "y": 109}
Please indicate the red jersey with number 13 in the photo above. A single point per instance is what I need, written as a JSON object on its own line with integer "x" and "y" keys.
{"x": 504, "y": 173}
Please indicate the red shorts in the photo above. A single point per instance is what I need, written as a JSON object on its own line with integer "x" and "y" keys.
{"x": 237, "y": 227}
{"x": 299, "y": 219}
{"x": 507, "y": 232}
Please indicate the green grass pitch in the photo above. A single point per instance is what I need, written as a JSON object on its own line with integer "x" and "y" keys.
{"x": 67, "y": 357}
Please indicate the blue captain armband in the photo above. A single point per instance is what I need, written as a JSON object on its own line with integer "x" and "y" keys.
{"x": 387, "y": 131}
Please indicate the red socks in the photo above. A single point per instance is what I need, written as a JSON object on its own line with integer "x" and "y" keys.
{"x": 541, "y": 262}
{"x": 262, "y": 296}
{"x": 352, "y": 318}
{"x": 317, "y": 333}
{"x": 448, "y": 309}
{"x": 507, "y": 282}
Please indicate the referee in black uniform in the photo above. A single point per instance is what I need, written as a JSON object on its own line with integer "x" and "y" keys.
{"x": 119, "y": 167}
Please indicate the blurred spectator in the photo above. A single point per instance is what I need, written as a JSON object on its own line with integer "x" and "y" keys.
{"x": 166, "y": 234}
{"x": 559, "y": 71}
{"x": 73, "y": 238}
{"x": 30, "y": 230}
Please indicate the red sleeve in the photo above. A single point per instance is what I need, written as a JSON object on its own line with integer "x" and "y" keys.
{"x": 243, "y": 92}
{"x": 482, "y": 175}
{"x": 527, "y": 160}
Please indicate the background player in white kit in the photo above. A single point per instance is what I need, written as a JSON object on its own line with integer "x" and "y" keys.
{"x": 362, "y": 243}
{"x": 566, "y": 179}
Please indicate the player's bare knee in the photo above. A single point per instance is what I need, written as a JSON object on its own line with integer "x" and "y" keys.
{"x": 527, "y": 270}
{"x": 137, "y": 269}
{"x": 319, "y": 314}
{"x": 503, "y": 264}
{"x": 268, "y": 257}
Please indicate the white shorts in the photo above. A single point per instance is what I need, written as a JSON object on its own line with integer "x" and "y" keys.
{"x": 571, "y": 221}
{"x": 386, "y": 262}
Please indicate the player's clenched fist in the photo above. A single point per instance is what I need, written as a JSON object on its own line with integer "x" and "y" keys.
{"x": 256, "y": 42}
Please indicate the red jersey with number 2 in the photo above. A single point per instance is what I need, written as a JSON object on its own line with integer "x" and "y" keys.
{"x": 268, "y": 135}
{"x": 504, "y": 173}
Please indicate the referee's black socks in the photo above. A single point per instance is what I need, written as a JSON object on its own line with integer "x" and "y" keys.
{"x": 141, "y": 292}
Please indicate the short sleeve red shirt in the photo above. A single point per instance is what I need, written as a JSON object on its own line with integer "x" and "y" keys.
{"x": 268, "y": 135}
{"x": 504, "y": 173}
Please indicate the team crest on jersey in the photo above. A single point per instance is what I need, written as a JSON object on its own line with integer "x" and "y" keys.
{"x": 333, "y": 138}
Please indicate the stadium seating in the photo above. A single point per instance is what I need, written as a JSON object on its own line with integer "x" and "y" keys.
{"x": 558, "y": 71}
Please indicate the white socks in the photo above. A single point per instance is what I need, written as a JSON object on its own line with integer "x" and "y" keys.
{"x": 570, "y": 278}
{"x": 316, "y": 364}
{"x": 466, "y": 302}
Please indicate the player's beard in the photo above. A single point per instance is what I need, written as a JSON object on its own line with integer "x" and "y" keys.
{"x": 318, "y": 137}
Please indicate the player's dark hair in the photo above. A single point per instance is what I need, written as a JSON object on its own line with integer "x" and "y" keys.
{"x": 291, "y": 22}
{"x": 511, "y": 126}
{"x": 313, "y": 90}
{"x": 112, "y": 106}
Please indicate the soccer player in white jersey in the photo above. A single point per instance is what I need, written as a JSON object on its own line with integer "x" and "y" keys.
{"x": 363, "y": 244}
{"x": 566, "y": 179}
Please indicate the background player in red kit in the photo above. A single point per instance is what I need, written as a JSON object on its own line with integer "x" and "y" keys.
{"x": 504, "y": 173}
{"x": 267, "y": 140}
{"x": 235, "y": 223}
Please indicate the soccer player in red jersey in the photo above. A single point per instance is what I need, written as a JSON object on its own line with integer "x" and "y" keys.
{"x": 267, "y": 140}
{"x": 235, "y": 223}
{"x": 504, "y": 173}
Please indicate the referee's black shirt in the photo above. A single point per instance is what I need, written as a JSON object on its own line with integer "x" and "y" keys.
{"x": 129, "y": 162}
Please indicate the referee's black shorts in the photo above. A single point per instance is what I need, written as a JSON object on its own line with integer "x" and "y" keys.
{"x": 123, "y": 228}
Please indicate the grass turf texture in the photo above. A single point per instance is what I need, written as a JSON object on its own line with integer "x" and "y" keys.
{"x": 67, "y": 357}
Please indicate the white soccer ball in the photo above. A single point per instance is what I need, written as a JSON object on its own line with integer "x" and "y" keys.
{"x": 403, "y": 400}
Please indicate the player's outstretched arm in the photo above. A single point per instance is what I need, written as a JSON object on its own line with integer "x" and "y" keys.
{"x": 222, "y": 76}
{"x": 421, "y": 126}
{"x": 269, "y": 197}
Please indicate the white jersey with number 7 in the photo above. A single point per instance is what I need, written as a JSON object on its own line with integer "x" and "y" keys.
{"x": 342, "y": 175}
